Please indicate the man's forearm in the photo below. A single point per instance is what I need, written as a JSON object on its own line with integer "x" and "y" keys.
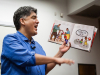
{"x": 59, "y": 54}
{"x": 40, "y": 59}
{"x": 51, "y": 61}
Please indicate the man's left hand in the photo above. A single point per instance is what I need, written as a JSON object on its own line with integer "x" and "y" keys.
{"x": 63, "y": 48}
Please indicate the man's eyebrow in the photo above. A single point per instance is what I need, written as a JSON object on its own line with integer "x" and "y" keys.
{"x": 33, "y": 16}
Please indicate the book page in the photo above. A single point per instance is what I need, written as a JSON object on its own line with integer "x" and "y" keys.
{"x": 82, "y": 36}
{"x": 60, "y": 31}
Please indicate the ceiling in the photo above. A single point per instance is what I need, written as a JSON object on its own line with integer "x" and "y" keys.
{"x": 90, "y": 10}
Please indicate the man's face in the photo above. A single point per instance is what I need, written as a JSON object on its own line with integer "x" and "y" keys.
{"x": 31, "y": 24}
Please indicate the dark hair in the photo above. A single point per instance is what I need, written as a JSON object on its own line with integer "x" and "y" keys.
{"x": 21, "y": 13}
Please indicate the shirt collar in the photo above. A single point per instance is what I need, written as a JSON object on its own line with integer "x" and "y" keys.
{"x": 23, "y": 37}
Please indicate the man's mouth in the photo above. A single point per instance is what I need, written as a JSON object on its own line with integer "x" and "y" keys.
{"x": 36, "y": 27}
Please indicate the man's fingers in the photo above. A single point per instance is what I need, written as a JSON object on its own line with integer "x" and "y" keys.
{"x": 60, "y": 61}
{"x": 66, "y": 48}
{"x": 71, "y": 61}
{"x": 64, "y": 43}
{"x": 68, "y": 61}
{"x": 69, "y": 44}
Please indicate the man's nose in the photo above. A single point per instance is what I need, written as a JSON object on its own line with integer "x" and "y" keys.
{"x": 37, "y": 21}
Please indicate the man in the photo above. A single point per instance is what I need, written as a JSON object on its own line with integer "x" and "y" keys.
{"x": 55, "y": 28}
{"x": 21, "y": 55}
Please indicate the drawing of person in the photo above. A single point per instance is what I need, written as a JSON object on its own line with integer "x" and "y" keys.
{"x": 67, "y": 33}
{"x": 60, "y": 35}
{"x": 85, "y": 43}
{"x": 81, "y": 41}
{"x": 57, "y": 37}
{"x": 65, "y": 37}
{"x": 55, "y": 28}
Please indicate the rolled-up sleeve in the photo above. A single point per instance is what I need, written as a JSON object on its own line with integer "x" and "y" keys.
{"x": 15, "y": 52}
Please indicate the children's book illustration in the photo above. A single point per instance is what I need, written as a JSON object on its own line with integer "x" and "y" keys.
{"x": 61, "y": 32}
{"x": 83, "y": 42}
{"x": 79, "y": 35}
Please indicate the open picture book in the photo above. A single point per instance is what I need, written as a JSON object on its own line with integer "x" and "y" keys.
{"x": 81, "y": 36}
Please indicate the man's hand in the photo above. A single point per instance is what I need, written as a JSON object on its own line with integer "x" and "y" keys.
{"x": 40, "y": 59}
{"x": 63, "y": 48}
{"x": 58, "y": 60}
{"x": 62, "y": 61}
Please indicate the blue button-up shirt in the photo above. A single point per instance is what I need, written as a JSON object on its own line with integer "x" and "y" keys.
{"x": 18, "y": 56}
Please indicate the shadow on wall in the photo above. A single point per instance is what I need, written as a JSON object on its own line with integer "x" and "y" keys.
{"x": 82, "y": 20}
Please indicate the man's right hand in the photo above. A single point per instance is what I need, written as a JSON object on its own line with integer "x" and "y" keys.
{"x": 40, "y": 59}
{"x": 63, "y": 60}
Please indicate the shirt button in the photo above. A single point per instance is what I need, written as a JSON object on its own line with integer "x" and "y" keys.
{"x": 38, "y": 71}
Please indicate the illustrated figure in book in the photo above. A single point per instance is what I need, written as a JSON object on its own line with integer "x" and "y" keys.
{"x": 85, "y": 43}
{"x": 54, "y": 33}
{"x": 67, "y": 35}
{"x": 59, "y": 36}
{"x": 81, "y": 41}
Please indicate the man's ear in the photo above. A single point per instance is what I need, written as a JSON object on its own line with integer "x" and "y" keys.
{"x": 22, "y": 21}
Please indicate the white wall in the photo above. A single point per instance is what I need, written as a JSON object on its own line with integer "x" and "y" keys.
{"x": 46, "y": 17}
{"x": 3, "y": 32}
